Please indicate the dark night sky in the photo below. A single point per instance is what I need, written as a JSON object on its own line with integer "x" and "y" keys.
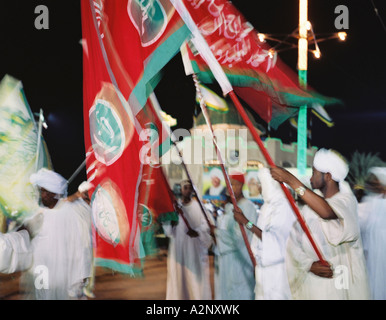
{"x": 49, "y": 63}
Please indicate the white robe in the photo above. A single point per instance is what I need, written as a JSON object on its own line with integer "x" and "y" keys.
{"x": 15, "y": 252}
{"x": 62, "y": 252}
{"x": 188, "y": 260}
{"x": 234, "y": 274}
{"x": 372, "y": 217}
{"x": 339, "y": 241}
{"x": 276, "y": 219}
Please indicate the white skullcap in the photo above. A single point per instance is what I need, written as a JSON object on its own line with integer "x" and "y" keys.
{"x": 332, "y": 162}
{"x": 380, "y": 173}
{"x": 50, "y": 181}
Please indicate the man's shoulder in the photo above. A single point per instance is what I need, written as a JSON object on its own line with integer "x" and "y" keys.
{"x": 347, "y": 197}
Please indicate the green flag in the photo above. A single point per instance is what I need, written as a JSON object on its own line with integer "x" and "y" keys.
{"x": 18, "y": 151}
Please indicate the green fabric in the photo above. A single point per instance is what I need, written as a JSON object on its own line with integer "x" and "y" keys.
{"x": 119, "y": 267}
{"x": 162, "y": 54}
{"x": 168, "y": 216}
{"x": 151, "y": 76}
{"x": 281, "y": 98}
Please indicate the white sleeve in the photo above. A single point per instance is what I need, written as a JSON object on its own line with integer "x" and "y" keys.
{"x": 276, "y": 233}
{"x": 346, "y": 227}
{"x": 15, "y": 253}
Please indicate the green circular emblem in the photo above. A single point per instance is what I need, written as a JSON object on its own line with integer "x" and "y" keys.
{"x": 149, "y": 18}
{"x": 107, "y": 133}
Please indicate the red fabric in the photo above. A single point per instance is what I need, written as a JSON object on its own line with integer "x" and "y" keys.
{"x": 239, "y": 176}
{"x": 247, "y": 61}
{"x": 114, "y": 60}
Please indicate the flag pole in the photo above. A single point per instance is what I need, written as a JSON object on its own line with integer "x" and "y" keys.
{"x": 219, "y": 157}
{"x": 41, "y": 118}
{"x": 82, "y": 165}
{"x": 201, "y": 45}
{"x": 153, "y": 104}
{"x": 270, "y": 162}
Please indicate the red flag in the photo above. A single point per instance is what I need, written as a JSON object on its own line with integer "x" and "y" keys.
{"x": 126, "y": 43}
{"x": 257, "y": 75}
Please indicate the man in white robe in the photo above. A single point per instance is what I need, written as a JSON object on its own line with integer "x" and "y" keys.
{"x": 188, "y": 260}
{"x": 234, "y": 274}
{"x": 372, "y": 217}
{"x": 62, "y": 246}
{"x": 333, "y": 222}
{"x": 15, "y": 251}
{"x": 269, "y": 240}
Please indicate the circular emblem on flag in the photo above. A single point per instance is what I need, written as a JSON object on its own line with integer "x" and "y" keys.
{"x": 104, "y": 216}
{"x": 149, "y": 18}
{"x": 145, "y": 216}
{"x": 109, "y": 214}
{"x": 107, "y": 134}
{"x": 111, "y": 128}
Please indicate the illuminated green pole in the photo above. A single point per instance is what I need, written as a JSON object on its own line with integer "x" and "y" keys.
{"x": 302, "y": 73}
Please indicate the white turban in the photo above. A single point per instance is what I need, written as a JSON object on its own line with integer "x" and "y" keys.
{"x": 332, "y": 162}
{"x": 216, "y": 172}
{"x": 252, "y": 175}
{"x": 380, "y": 173}
{"x": 50, "y": 181}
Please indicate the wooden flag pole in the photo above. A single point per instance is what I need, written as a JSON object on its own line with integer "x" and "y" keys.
{"x": 270, "y": 162}
{"x": 226, "y": 176}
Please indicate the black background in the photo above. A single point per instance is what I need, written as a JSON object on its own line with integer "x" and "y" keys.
{"x": 49, "y": 63}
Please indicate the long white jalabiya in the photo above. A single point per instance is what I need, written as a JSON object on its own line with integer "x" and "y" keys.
{"x": 188, "y": 260}
{"x": 234, "y": 274}
{"x": 339, "y": 240}
{"x": 372, "y": 217}
{"x": 275, "y": 221}
{"x": 15, "y": 252}
{"x": 62, "y": 252}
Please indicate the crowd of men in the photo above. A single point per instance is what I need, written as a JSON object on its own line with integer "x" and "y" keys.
{"x": 55, "y": 245}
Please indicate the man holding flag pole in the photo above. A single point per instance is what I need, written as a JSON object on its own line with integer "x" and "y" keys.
{"x": 117, "y": 90}
{"x": 118, "y": 116}
{"x": 191, "y": 14}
